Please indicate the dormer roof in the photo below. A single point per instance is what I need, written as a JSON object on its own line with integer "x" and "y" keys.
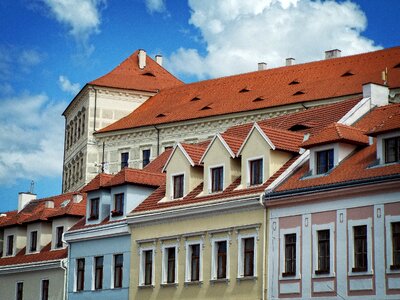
{"x": 135, "y": 176}
{"x": 192, "y": 152}
{"x": 391, "y": 123}
{"x": 96, "y": 183}
{"x": 225, "y": 143}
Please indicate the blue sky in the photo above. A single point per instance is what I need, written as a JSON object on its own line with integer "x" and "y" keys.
{"x": 50, "y": 48}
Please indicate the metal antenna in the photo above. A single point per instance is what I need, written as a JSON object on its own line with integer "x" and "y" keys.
{"x": 32, "y": 187}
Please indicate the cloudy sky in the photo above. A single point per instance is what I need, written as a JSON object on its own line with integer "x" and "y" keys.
{"x": 49, "y": 49}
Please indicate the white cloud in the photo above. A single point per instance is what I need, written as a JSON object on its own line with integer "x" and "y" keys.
{"x": 31, "y": 139}
{"x": 16, "y": 62}
{"x": 155, "y": 5}
{"x": 239, "y": 34}
{"x": 67, "y": 86}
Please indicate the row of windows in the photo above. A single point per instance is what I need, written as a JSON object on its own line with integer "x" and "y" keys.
{"x": 145, "y": 158}
{"x": 194, "y": 262}
{"x": 97, "y": 275}
{"x": 76, "y": 129}
{"x": 44, "y": 290}
{"x": 73, "y": 174}
{"x": 118, "y": 207}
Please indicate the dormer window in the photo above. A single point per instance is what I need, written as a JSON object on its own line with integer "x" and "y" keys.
{"x": 10, "y": 245}
{"x": 118, "y": 205}
{"x": 217, "y": 179}
{"x": 256, "y": 171}
{"x": 94, "y": 209}
{"x": 33, "y": 237}
{"x": 178, "y": 186}
{"x": 59, "y": 233}
{"x": 324, "y": 161}
{"x": 392, "y": 149}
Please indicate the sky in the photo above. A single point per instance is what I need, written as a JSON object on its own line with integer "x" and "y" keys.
{"x": 49, "y": 49}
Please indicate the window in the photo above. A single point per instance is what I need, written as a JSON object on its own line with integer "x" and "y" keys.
{"x": 148, "y": 267}
{"x": 193, "y": 261}
{"x": 33, "y": 247}
{"x": 80, "y": 274}
{"x": 169, "y": 265}
{"x": 323, "y": 252}
{"x": 118, "y": 270}
{"x": 395, "y": 246}
{"x": 178, "y": 186}
{"x": 124, "y": 159}
{"x": 146, "y": 157}
{"x": 94, "y": 209}
{"x": 45, "y": 289}
{"x": 118, "y": 205}
{"x": 248, "y": 262}
{"x": 10, "y": 245}
{"x": 360, "y": 249}
{"x": 59, "y": 233}
{"x": 219, "y": 268}
{"x": 392, "y": 150}
{"x": 20, "y": 291}
{"x": 290, "y": 255}
{"x": 256, "y": 172}
{"x": 217, "y": 179}
{"x": 98, "y": 272}
{"x": 324, "y": 161}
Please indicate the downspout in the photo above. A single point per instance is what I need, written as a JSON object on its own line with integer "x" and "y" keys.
{"x": 63, "y": 266}
{"x": 263, "y": 297}
{"x": 95, "y": 110}
{"x": 63, "y": 171}
{"x": 158, "y": 140}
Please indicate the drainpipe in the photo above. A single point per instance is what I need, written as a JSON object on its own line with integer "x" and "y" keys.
{"x": 158, "y": 140}
{"x": 63, "y": 265}
{"x": 95, "y": 109}
{"x": 264, "y": 272}
{"x": 65, "y": 139}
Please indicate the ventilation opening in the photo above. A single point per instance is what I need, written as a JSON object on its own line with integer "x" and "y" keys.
{"x": 161, "y": 116}
{"x": 348, "y": 73}
{"x": 298, "y": 93}
{"x": 397, "y": 66}
{"x": 206, "y": 108}
{"x": 294, "y": 82}
{"x": 299, "y": 127}
{"x": 258, "y": 99}
{"x": 195, "y": 99}
{"x": 149, "y": 74}
{"x": 244, "y": 90}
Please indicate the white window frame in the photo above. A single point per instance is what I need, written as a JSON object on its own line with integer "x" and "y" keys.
{"x": 62, "y": 240}
{"x": 315, "y": 229}
{"x": 164, "y": 267}
{"x": 124, "y": 203}
{"x": 241, "y": 238}
{"x": 113, "y": 270}
{"x": 210, "y": 178}
{"x": 76, "y": 274}
{"x": 282, "y": 233}
{"x": 248, "y": 172}
{"x": 380, "y": 146}
{"x": 142, "y": 266}
{"x": 41, "y": 287}
{"x": 313, "y": 157}
{"x": 172, "y": 185}
{"x": 16, "y": 288}
{"x": 29, "y": 242}
{"x": 188, "y": 269}
{"x": 13, "y": 248}
{"x": 350, "y": 225}
{"x": 214, "y": 257}
{"x": 389, "y": 243}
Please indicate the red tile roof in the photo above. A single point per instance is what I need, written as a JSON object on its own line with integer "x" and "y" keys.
{"x": 317, "y": 80}
{"x": 283, "y": 139}
{"x": 337, "y": 133}
{"x": 128, "y": 75}
{"x": 157, "y": 165}
{"x": 234, "y": 142}
{"x": 195, "y": 151}
{"x": 391, "y": 123}
{"x": 135, "y": 176}
{"x": 99, "y": 181}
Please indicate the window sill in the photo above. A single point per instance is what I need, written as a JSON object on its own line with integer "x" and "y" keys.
{"x": 193, "y": 283}
{"x": 219, "y": 280}
{"x": 316, "y": 274}
{"x": 247, "y": 278}
{"x": 93, "y": 218}
{"x": 148, "y": 286}
{"x": 166, "y": 285}
{"x": 116, "y": 214}
{"x": 289, "y": 276}
{"x": 395, "y": 268}
{"x": 354, "y": 272}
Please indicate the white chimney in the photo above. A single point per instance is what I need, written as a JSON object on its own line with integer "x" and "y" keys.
{"x": 142, "y": 59}
{"x": 332, "y": 53}
{"x": 49, "y": 204}
{"x": 159, "y": 59}
{"x": 379, "y": 94}
{"x": 24, "y": 198}
{"x": 76, "y": 198}
{"x": 262, "y": 66}
{"x": 290, "y": 61}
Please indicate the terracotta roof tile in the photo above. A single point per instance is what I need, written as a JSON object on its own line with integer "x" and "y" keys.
{"x": 195, "y": 151}
{"x": 234, "y": 142}
{"x": 99, "y": 181}
{"x": 317, "y": 80}
{"x": 157, "y": 165}
{"x": 283, "y": 139}
{"x": 135, "y": 176}
{"x": 390, "y": 123}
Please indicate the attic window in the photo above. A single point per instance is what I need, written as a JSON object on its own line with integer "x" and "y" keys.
{"x": 196, "y": 98}
{"x": 65, "y": 203}
{"x": 149, "y": 74}
{"x": 206, "y": 108}
{"x": 244, "y": 90}
{"x": 258, "y": 99}
{"x": 298, "y": 93}
{"x": 348, "y": 73}
{"x": 294, "y": 82}
{"x": 298, "y": 127}
{"x": 397, "y": 66}
{"x": 160, "y": 116}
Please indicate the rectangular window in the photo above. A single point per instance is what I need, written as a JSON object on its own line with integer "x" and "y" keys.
{"x": 94, "y": 209}
{"x": 392, "y": 150}
{"x": 324, "y": 161}
{"x": 148, "y": 267}
{"x": 178, "y": 186}
{"x": 124, "y": 159}
{"x": 170, "y": 252}
{"x": 59, "y": 233}
{"x": 248, "y": 255}
{"x": 20, "y": 291}
{"x": 45, "y": 289}
{"x": 360, "y": 249}
{"x": 33, "y": 247}
{"x": 221, "y": 259}
{"x": 80, "y": 274}
{"x": 118, "y": 205}
{"x": 256, "y": 172}
{"x": 10, "y": 245}
{"x": 146, "y": 157}
{"x": 395, "y": 246}
{"x": 194, "y": 262}
{"x": 98, "y": 272}
{"x": 118, "y": 270}
{"x": 217, "y": 179}
{"x": 323, "y": 252}
{"x": 290, "y": 255}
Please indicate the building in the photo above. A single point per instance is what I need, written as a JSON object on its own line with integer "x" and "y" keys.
{"x": 33, "y": 259}
{"x": 334, "y": 219}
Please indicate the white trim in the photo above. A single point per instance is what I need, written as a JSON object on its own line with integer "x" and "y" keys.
{"x": 6, "y": 245}
{"x": 112, "y": 204}
{"x": 178, "y": 145}
{"x": 29, "y": 242}
{"x": 313, "y": 157}
{"x": 248, "y": 170}
{"x": 75, "y": 290}
{"x": 315, "y": 229}
{"x": 214, "y": 257}
{"x": 112, "y": 285}
{"x": 380, "y": 145}
{"x": 209, "y": 187}
{"x": 351, "y": 224}
{"x": 188, "y": 264}
{"x": 142, "y": 266}
{"x": 241, "y": 249}
{"x": 41, "y": 287}
{"x": 223, "y": 142}
{"x": 389, "y": 243}
{"x": 97, "y": 232}
{"x": 263, "y": 135}
{"x": 282, "y": 233}
{"x": 164, "y": 263}
{"x": 36, "y": 266}
{"x": 171, "y": 180}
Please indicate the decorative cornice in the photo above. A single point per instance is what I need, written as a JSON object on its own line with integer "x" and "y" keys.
{"x": 29, "y": 267}
{"x": 97, "y": 232}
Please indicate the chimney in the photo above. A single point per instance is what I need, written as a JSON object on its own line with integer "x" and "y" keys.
{"x": 159, "y": 59}
{"x": 76, "y": 198}
{"x": 262, "y": 66}
{"x": 49, "y": 204}
{"x": 142, "y": 59}
{"x": 379, "y": 94}
{"x": 332, "y": 53}
{"x": 24, "y": 198}
{"x": 290, "y": 61}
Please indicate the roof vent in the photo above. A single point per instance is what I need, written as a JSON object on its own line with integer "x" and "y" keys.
{"x": 244, "y": 90}
{"x": 397, "y": 66}
{"x": 290, "y": 61}
{"x": 348, "y": 73}
{"x": 149, "y": 74}
{"x": 196, "y": 98}
{"x": 298, "y": 93}
{"x": 262, "y": 66}
{"x": 258, "y": 99}
{"x": 160, "y": 116}
{"x": 298, "y": 127}
{"x": 142, "y": 59}
{"x": 159, "y": 59}
{"x": 49, "y": 204}
{"x": 332, "y": 53}
{"x": 294, "y": 82}
{"x": 206, "y": 108}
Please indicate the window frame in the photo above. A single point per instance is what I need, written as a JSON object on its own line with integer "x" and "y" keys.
{"x": 165, "y": 263}
{"x": 79, "y": 280}
{"x": 188, "y": 268}
{"x": 390, "y": 267}
{"x": 92, "y": 216}
{"x": 327, "y": 157}
{"x": 215, "y": 258}
{"x": 282, "y": 259}
{"x": 250, "y": 161}
{"x": 100, "y": 268}
{"x": 396, "y": 139}
{"x": 220, "y": 181}
{"x": 142, "y": 270}
{"x": 121, "y": 211}
{"x": 42, "y": 295}
{"x": 173, "y": 176}
{"x": 241, "y": 254}
{"x": 17, "y": 296}
{"x": 124, "y": 159}
{"x": 10, "y": 252}
{"x": 351, "y": 264}
{"x": 121, "y": 268}
{"x": 33, "y": 241}
{"x": 145, "y": 162}
{"x": 59, "y": 242}
{"x": 315, "y": 254}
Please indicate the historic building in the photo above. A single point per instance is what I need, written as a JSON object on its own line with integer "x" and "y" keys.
{"x": 33, "y": 263}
